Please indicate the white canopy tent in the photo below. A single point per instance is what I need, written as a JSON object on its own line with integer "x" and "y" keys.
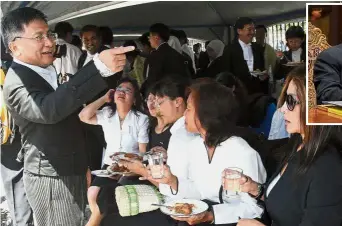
{"x": 203, "y": 20}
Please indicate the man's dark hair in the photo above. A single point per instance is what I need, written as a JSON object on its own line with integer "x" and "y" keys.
{"x": 88, "y": 28}
{"x": 12, "y": 24}
{"x": 161, "y": 30}
{"x": 131, "y": 43}
{"x": 261, "y": 26}
{"x": 295, "y": 32}
{"x": 106, "y": 35}
{"x": 63, "y": 28}
{"x": 143, "y": 39}
{"x": 76, "y": 41}
{"x": 242, "y": 21}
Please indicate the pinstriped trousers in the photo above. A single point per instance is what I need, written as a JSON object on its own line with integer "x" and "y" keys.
{"x": 56, "y": 201}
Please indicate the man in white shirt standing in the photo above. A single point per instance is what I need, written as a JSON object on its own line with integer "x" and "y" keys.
{"x": 67, "y": 63}
{"x": 242, "y": 57}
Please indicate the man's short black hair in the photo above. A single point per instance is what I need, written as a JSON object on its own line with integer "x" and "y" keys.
{"x": 130, "y": 43}
{"x": 242, "y": 21}
{"x": 12, "y": 24}
{"x": 106, "y": 35}
{"x": 262, "y": 27}
{"x": 161, "y": 30}
{"x": 88, "y": 28}
{"x": 295, "y": 32}
{"x": 182, "y": 34}
{"x": 63, "y": 28}
{"x": 143, "y": 39}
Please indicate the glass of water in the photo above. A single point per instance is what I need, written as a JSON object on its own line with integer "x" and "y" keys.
{"x": 156, "y": 163}
{"x": 231, "y": 183}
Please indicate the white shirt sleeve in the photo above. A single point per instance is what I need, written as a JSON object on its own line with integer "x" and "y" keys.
{"x": 252, "y": 166}
{"x": 103, "y": 69}
{"x": 75, "y": 55}
{"x": 102, "y": 115}
{"x": 143, "y": 130}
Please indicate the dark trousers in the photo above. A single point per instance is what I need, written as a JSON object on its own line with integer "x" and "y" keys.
{"x": 12, "y": 178}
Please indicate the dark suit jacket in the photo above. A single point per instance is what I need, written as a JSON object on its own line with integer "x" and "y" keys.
{"x": 163, "y": 61}
{"x": 216, "y": 67}
{"x": 52, "y": 133}
{"x": 236, "y": 64}
{"x": 328, "y": 75}
{"x": 315, "y": 198}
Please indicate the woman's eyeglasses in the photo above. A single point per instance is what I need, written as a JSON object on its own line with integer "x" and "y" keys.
{"x": 124, "y": 90}
{"x": 291, "y": 102}
{"x": 151, "y": 100}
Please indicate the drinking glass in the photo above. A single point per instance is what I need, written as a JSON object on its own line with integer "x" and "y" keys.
{"x": 231, "y": 184}
{"x": 156, "y": 163}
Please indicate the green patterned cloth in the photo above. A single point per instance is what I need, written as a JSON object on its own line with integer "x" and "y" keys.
{"x": 135, "y": 199}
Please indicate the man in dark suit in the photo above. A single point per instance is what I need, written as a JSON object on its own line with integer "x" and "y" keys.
{"x": 92, "y": 42}
{"x": 164, "y": 60}
{"x": 243, "y": 57}
{"x": 53, "y": 151}
{"x": 328, "y": 75}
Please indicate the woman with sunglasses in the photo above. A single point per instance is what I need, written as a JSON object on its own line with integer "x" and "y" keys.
{"x": 306, "y": 188}
{"x": 125, "y": 130}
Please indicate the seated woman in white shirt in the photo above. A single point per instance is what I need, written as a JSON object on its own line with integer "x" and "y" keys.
{"x": 124, "y": 126}
{"x": 218, "y": 147}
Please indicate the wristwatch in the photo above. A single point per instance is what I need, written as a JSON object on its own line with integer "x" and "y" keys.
{"x": 260, "y": 192}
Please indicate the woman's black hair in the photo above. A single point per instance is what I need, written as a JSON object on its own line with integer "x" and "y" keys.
{"x": 217, "y": 112}
{"x": 231, "y": 81}
{"x": 137, "y": 105}
{"x": 172, "y": 86}
{"x": 153, "y": 122}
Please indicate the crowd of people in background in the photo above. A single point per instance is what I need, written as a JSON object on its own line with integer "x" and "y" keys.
{"x": 77, "y": 102}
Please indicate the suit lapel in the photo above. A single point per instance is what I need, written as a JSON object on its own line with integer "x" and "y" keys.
{"x": 239, "y": 55}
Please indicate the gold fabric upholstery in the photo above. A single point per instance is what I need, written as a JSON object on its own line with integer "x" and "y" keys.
{"x": 316, "y": 44}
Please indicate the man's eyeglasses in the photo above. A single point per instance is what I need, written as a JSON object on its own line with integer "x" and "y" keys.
{"x": 39, "y": 38}
{"x": 124, "y": 90}
{"x": 291, "y": 102}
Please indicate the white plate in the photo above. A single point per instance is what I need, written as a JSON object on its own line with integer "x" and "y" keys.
{"x": 257, "y": 73}
{"x": 293, "y": 64}
{"x": 199, "y": 207}
{"x": 101, "y": 173}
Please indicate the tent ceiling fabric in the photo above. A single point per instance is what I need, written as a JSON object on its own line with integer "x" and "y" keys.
{"x": 194, "y": 17}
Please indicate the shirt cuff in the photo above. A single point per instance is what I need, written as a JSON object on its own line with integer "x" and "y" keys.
{"x": 103, "y": 69}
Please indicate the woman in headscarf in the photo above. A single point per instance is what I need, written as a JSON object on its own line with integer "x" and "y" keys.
{"x": 215, "y": 50}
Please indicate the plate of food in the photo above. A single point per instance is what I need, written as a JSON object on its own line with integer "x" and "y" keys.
{"x": 120, "y": 155}
{"x": 102, "y": 173}
{"x": 116, "y": 169}
{"x": 257, "y": 73}
{"x": 184, "y": 207}
{"x": 293, "y": 64}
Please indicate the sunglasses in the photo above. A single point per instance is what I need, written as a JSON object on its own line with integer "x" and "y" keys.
{"x": 291, "y": 102}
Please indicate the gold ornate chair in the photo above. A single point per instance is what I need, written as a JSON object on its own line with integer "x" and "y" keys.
{"x": 316, "y": 44}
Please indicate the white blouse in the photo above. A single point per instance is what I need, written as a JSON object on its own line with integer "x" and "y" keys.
{"x": 177, "y": 154}
{"x": 134, "y": 131}
{"x": 204, "y": 179}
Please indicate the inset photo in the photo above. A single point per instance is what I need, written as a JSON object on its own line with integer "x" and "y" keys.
{"x": 324, "y": 81}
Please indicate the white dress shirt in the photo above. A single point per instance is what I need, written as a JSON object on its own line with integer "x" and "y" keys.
{"x": 89, "y": 58}
{"x": 186, "y": 49}
{"x": 177, "y": 153}
{"x": 67, "y": 63}
{"x": 248, "y": 54}
{"x": 204, "y": 179}
{"x": 134, "y": 131}
{"x": 296, "y": 55}
{"x": 48, "y": 73}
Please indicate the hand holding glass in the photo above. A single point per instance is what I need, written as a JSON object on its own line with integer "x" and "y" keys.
{"x": 231, "y": 183}
{"x": 156, "y": 164}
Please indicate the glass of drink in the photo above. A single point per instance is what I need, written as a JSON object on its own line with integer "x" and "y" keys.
{"x": 156, "y": 163}
{"x": 231, "y": 183}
